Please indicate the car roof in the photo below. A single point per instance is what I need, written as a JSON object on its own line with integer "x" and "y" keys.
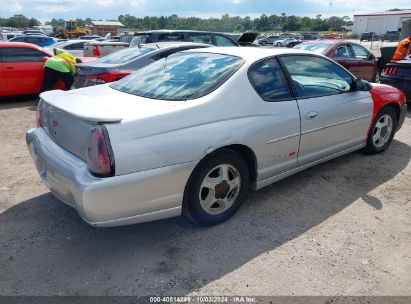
{"x": 19, "y": 45}
{"x": 170, "y": 44}
{"x": 324, "y": 41}
{"x": 35, "y": 36}
{"x": 178, "y": 31}
{"x": 249, "y": 53}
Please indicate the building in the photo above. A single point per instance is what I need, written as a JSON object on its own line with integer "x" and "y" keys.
{"x": 103, "y": 28}
{"x": 380, "y": 23}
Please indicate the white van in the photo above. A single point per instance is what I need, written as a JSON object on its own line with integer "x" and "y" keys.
{"x": 7, "y": 36}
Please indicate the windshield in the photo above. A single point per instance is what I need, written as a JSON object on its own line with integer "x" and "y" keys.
{"x": 123, "y": 56}
{"x": 181, "y": 76}
{"x": 317, "y": 48}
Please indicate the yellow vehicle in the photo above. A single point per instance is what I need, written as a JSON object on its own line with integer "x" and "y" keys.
{"x": 71, "y": 30}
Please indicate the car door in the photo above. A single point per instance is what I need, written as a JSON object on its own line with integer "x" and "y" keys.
{"x": 277, "y": 136}
{"x": 23, "y": 68}
{"x": 3, "y": 83}
{"x": 365, "y": 62}
{"x": 344, "y": 56}
{"x": 335, "y": 117}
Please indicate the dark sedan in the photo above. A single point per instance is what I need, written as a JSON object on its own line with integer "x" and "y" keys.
{"x": 398, "y": 74}
{"x": 355, "y": 58}
{"x": 122, "y": 63}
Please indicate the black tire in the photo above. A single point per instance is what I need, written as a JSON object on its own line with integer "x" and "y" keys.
{"x": 264, "y": 43}
{"x": 278, "y": 44}
{"x": 371, "y": 147}
{"x": 192, "y": 207}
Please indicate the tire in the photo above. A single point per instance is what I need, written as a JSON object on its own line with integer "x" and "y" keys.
{"x": 264, "y": 43}
{"x": 211, "y": 206}
{"x": 278, "y": 44}
{"x": 382, "y": 131}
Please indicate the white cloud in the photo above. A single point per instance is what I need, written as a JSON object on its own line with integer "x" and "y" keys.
{"x": 370, "y": 6}
{"x": 11, "y": 6}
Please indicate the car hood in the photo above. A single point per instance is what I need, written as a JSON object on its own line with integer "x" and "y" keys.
{"x": 101, "y": 103}
{"x": 247, "y": 38}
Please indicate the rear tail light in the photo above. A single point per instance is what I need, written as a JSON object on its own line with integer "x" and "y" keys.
{"x": 100, "y": 161}
{"x": 109, "y": 76}
{"x": 39, "y": 120}
{"x": 390, "y": 70}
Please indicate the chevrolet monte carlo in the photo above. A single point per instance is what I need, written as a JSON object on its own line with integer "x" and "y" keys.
{"x": 194, "y": 132}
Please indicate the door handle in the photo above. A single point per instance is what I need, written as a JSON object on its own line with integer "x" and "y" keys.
{"x": 311, "y": 115}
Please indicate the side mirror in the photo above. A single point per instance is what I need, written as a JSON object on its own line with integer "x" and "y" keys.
{"x": 45, "y": 58}
{"x": 362, "y": 85}
{"x": 370, "y": 57}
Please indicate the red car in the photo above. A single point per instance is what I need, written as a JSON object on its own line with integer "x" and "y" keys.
{"x": 21, "y": 68}
{"x": 354, "y": 57}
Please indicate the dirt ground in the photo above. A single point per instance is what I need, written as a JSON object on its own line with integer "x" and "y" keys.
{"x": 341, "y": 228}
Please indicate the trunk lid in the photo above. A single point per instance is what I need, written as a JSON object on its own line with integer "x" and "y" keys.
{"x": 68, "y": 117}
{"x": 83, "y": 71}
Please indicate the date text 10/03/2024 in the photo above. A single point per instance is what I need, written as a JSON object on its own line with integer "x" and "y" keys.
{"x": 204, "y": 299}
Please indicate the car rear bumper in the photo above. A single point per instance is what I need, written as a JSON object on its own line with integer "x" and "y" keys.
{"x": 113, "y": 201}
{"x": 402, "y": 84}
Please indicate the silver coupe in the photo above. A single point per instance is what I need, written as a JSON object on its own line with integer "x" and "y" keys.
{"x": 194, "y": 132}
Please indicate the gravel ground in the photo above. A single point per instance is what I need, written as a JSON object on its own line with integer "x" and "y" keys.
{"x": 341, "y": 228}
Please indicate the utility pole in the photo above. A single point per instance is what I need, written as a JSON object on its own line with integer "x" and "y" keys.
{"x": 329, "y": 11}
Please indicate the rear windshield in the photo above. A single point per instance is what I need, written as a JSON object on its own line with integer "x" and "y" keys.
{"x": 125, "y": 55}
{"x": 317, "y": 48}
{"x": 181, "y": 76}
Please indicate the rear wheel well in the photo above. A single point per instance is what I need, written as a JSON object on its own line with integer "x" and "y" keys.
{"x": 247, "y": 154}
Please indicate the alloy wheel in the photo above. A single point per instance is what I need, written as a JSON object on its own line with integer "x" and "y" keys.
{"x": 382, "y": 131}
{"x": 219, "y": 189}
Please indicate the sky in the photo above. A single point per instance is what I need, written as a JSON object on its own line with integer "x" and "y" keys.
{"x": 111, "y": 9}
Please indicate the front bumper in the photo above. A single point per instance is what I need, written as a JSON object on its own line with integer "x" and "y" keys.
{"x": 112, "y": 201}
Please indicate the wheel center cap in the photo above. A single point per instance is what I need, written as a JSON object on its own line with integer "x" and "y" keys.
{"x": 221, "y": 190}
{"x": 384, "y": 131}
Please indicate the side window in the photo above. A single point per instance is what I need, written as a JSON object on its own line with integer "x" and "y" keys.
{"x": 199, "y": 38}
{"x": 359, "y": 51}
{"x": 33, "y": 40}
{"x": 269, "y": 80}
{"x": 22, "y": 55}
{"x": 342, "y": 51}
{"x": 315, "y": 76}
{"x": 171, "y": 37}
{"x": 223, "y": 41}
{"x": 19, "y": 39}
